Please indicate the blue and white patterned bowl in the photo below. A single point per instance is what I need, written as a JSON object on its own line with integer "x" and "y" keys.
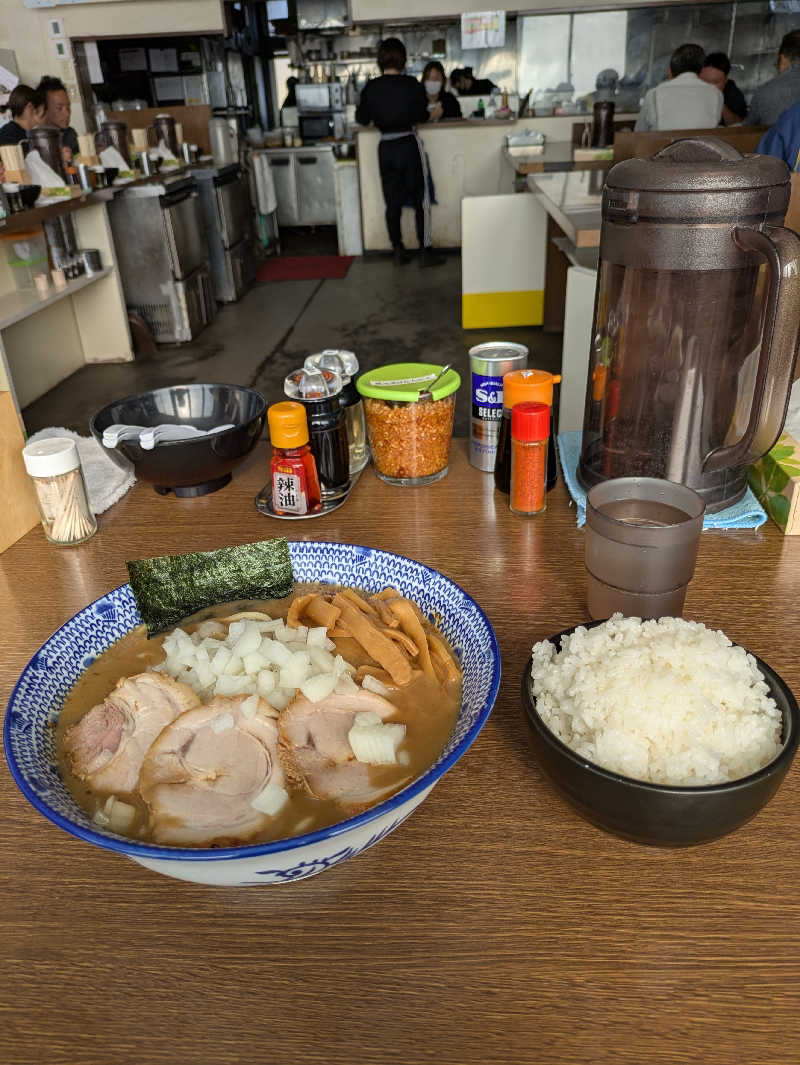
{"x": 46, "y": 680}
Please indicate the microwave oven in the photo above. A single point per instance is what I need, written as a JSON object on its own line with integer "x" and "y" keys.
{"x": 312, "y": 99}
{"x": 319, "y": 126}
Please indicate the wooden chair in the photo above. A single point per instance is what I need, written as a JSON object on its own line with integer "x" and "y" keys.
{"x": 638, "y": 145}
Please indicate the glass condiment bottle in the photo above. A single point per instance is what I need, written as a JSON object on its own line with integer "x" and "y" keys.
{"x": 293, "y": 471}
{"x": 530, "y": 429}
{"x": 15, "y": 204}
{"x": 524, "y": 386}
{"x": 345, "y": 364}
{"x": 319, "y": 391}
{"x": 55, "y": 468}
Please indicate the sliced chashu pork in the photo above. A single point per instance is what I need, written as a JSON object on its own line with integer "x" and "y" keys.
{"x": 106, "y": 747}
{"x": 315, "y": 749}
{"x": 201, "y": 775}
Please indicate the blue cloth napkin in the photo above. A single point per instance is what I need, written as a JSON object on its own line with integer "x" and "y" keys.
{"x": 746, "y": 514}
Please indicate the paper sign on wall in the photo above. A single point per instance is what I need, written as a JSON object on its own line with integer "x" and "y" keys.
{"x": 483, "y": 29}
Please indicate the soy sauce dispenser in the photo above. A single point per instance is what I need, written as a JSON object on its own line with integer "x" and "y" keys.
{"x": 319, "y": 391}
{"x": 345, "y": 364}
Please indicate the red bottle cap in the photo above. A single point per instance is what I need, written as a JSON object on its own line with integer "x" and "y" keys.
{"x": 530, "y": 422}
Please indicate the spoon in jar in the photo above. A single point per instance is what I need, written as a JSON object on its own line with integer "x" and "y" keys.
{"x": 425, "y": 394}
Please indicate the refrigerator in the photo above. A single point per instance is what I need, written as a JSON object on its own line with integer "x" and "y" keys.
{"x": 226, "y": 212}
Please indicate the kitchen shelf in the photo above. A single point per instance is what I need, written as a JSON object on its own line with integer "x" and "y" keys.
{"x": 17, "y": 306}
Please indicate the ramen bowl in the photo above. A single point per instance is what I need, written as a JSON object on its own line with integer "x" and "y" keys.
{"x": 47, "y": 679}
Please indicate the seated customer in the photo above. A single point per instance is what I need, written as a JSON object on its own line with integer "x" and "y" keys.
{"x": 683, "y": 101}
{"x": 715, "y": 71}
{"x": 466, "y": 84}
{"x": 783, "y": 138}
{"x": 772, "y": 99}
{"x": 57, "y": 112}
{"x": 441, "y": 104}
{"x": 25, "y": 108}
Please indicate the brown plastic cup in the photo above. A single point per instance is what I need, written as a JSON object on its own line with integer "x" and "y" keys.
{"x": 642, "y": 535}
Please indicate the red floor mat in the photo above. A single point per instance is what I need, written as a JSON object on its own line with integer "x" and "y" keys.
{"x": 304, "y": 268}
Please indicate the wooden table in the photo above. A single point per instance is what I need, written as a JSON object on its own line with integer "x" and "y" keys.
{"x": 494, "y": 926}
{"x": 573, "y": 205}
{"x": 573, "y": 200}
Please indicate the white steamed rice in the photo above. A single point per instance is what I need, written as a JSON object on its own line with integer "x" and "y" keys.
{"x": 667, "y": 701}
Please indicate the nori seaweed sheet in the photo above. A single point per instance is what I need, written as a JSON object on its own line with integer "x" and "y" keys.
{"x": 173, "y": 587}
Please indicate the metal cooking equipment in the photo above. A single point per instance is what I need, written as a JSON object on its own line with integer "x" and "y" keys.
{"x": 163, "y": 257}
{"x": 697, "y": 319}
{"x": 114, "y": 135}
{"x": 225, "y": 208}
{"x": 163, "y": 128}
{"x": 46, "y": 140}
{"x": 224, "y": 142}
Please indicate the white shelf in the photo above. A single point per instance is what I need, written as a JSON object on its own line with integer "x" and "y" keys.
{"x": 17, "y": 306}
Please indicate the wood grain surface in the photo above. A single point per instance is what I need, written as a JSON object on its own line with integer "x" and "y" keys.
{"x": 493, "y": 926}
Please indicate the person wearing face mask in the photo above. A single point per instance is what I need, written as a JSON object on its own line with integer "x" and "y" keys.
{"x": 24, "y": 107}
{"x": 441, "y": 104}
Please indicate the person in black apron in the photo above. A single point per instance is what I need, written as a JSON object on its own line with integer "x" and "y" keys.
{"x": 26, "y": 112}
{"x": 395, "y": 103}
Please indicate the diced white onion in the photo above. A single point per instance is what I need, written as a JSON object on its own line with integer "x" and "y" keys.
{"x": 317, "y": 636}
{"x": 340, "y": 666}
{"x": 280, "y": 698}
{"x": 234, "y": 666}
{"x": 122, "y": 816}
{"x": 345, "y": 685}
{"x": 271, "y": 800}
{"x": 249, "y": 641}
{"x": 254, "y": 662}
{"x": 222, "y": 723}
{"x": 101, "y": 819}
{"x": 319, "y": 687}
{"x": 376, "y": 744}
{"x": 322, "y": 661}
{"x": 231, "y": 685}
{"x": 367, "y": 717}
{"x": 266, "y": 682}
{"x": 220, "y": 660}
{"x": 372, "y": 684}
{"x": 244, "y": 659}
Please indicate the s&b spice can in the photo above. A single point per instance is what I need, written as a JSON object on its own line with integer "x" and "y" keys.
{"x": 488, "y": 362}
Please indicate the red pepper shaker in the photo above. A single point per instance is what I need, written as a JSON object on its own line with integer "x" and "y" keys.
{"x": 530, "y": 429}
{"x": 295, "y": 482}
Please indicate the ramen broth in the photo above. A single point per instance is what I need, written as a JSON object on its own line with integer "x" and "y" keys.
{"x": 428, "y": 710}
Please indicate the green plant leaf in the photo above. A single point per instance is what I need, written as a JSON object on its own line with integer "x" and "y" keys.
{"x": 778, "y": 480}
{"x": 778, "y": 507}
{"x": 781, "y": 451}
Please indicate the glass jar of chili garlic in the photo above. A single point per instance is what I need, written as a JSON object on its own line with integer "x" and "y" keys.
{"x": 409, "y": 436}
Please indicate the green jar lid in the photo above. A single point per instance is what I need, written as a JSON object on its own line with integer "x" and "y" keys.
{"x": 402, "y": 382}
